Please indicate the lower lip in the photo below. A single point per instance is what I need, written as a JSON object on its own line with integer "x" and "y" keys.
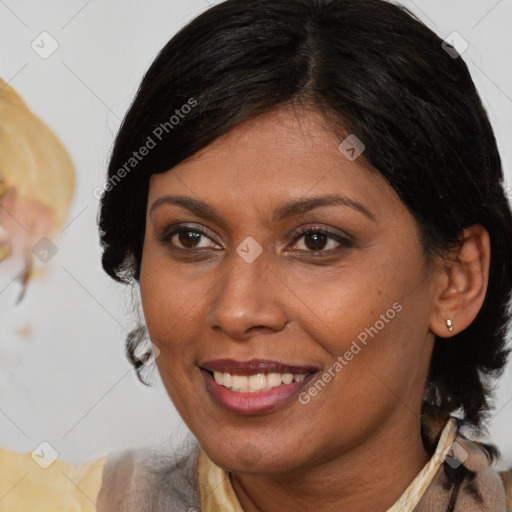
{"x": 258, "y": 402}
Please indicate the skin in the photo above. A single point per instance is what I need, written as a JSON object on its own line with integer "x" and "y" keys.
{"x": 357, "y": 444}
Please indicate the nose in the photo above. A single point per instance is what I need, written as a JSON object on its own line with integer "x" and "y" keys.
{"x": 247, "y": 299}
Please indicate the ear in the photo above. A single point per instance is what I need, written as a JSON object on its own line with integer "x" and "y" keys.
{"x": 462, "y": 283}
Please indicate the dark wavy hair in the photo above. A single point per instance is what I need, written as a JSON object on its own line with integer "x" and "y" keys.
{"x": 373, "y": 69}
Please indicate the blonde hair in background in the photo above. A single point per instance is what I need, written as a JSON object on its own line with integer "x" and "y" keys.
{"x": 32, "y": 158}
{"x": 35, "y": 171}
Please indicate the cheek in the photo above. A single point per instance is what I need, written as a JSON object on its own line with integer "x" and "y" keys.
{"x": 383, "y": 361}
{"x": 166, "y": 314}
{"x": 344, "y": 304}
{"x": 159, "y": 304}
{"x": 372, "y": 324}
{"x": 172, "y": 307}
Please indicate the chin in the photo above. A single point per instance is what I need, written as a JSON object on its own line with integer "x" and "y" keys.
{"x": 252, "y": 458}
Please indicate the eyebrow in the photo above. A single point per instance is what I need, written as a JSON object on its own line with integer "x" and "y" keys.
{"x": 289, "y": 209}
{"x": 302, "y": 205}
{"x": 196, "y": 206}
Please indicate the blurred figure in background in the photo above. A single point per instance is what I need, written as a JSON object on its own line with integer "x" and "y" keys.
{"x": 37, "y": 180}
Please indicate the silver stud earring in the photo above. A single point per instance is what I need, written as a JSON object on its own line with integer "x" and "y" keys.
{"x": 449, "y": 325}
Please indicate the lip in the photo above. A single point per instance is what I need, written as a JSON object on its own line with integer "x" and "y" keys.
{"x": 259, "y": 402}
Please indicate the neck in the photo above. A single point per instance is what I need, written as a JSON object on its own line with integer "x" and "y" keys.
{"x": 371, "y": 477}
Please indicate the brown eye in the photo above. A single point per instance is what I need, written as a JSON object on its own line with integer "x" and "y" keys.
{"x": 188, "y": 239}
{"x": 315, "y": 241}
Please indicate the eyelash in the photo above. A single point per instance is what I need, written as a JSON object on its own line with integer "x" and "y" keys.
{"x": 344, "y": 241}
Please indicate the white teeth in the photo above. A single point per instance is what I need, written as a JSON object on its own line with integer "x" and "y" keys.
{"x": 273, "y": 379}
{"x": 256, "y": 382}
{"x": 239, "y": 381}
{"x": 287, "y": 378}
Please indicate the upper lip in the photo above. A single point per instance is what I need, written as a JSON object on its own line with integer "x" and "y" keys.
{"x": 254, "y": 366}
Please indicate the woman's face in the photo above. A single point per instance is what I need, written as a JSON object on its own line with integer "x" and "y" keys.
{"x": 348, "y": 306}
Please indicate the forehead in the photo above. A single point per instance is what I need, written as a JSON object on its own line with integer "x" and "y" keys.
{"x": 282, "y": 155}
